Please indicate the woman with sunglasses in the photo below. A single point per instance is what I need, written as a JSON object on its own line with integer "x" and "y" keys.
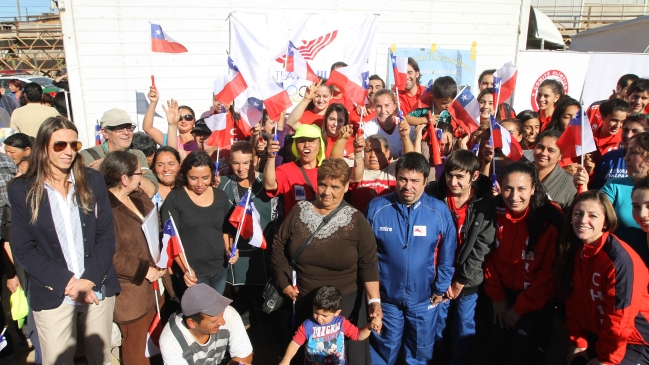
{"x": 181, "y": 122}
{"x": 136, "y": 270}
{"x": 63, "y": 236}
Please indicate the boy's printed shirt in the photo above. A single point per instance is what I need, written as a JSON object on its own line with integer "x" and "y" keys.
{"x": 325, "y": 344}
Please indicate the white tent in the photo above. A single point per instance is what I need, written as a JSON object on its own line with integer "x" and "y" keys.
{"x": 542, "y": 32}
{"x": 630, "y": 36}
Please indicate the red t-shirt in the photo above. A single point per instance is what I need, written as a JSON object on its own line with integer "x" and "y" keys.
{"x": 342, "y": 99}
{"x": 408, "y": 102}
{"x": 309, "y": 117}
{"x": 291, "y": 184}
{"x": 459, "y": 217}
{"x": 349, "y": 146}
{"x": 606, "y": 144}
{"x": 374, "y": 183}
{"x": 594, "y": 115}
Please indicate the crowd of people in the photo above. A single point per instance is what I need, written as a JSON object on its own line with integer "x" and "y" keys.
{"x": 371, "y": 255}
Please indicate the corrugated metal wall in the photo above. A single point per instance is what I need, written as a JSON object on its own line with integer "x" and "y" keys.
{"x": 108, "y": 42}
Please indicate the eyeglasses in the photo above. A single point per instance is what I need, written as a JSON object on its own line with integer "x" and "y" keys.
{"x": 137, "y": 173}
{"x": 59, "y": 146}
{"x": 122, "y": 128}
{"x": 187, "y": 117}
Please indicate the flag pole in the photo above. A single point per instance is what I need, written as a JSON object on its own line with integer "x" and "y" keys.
{"x": 157, "y": 304}
{"x": 243, "y": 219}
{"x": 581, "y": 188}
{"x": 216, "y": 164}
{"x": 275, "y": 136}
{"x": 151, "y": 59}
{"x": 182, "y": 248}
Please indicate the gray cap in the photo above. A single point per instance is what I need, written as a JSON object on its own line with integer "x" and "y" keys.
{"x": 114, "y": 118}
{"x": 201, "y": 298}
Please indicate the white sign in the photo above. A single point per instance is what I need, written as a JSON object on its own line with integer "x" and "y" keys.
{"x": 151, "y": 229}
{"x": 535, "y": 66}
{"x": 605, "y": 69}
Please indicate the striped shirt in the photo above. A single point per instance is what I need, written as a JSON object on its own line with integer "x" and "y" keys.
{"x": 67, "y": 223}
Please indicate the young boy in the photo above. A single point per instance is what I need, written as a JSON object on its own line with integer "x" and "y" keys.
{"x": 467, "y": 193}
{"x": 325, "y": 333}
{"x": 443, "y": 93}
{"x": 638, "y": 94}
{"x": 607, "y": 136}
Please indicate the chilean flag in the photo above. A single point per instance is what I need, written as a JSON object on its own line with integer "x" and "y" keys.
{"x": 466, "y": 111}
{"x": 251, "y": 227}
{"x": 348, "y": 80}
{"x": 296, "y": 63}
{"x": 504, "y": 83}
{"x": 276, "y": 99}
{"x": 228, "y": 87}
{"x": 153, "y": 337}
{"x": 217, "y": 123}
{"x": 571, "y": 143}
{"x": 501, "y": 138}
{"x": 170, "y": 245}
{"x": 252, "y": 111}
{"x": 161, "y": 42}
{"x": 400, "y": 69}
{"x": 435, "y": 135}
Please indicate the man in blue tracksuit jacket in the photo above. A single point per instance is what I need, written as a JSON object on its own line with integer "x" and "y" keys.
{"x": 416, "y": 242}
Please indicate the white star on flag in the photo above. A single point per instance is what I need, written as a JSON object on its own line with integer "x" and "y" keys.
{"x": 157, "y": 31}
{"x": 367, "y": 80}
{"x": 255, "y": 104}
{"x": 464, "y": 97}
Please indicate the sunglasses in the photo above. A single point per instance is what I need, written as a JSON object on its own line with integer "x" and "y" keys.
{"x": 59, "y": 146}
{"x": 187, "y": 117}
{"x": 645, "y": 116}
{"x": 122, "y": 129}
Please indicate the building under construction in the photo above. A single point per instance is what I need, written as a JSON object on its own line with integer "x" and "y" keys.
{"x": 34, "y": 46}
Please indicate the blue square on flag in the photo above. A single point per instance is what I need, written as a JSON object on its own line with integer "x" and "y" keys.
{"x": 365, "y": 77}
{"x": 232, "y": 65}
{"x": 256, "y": 103}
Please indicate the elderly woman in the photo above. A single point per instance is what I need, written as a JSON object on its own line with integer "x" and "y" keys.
{"x": 342, "y": 252}
{"x": 135, "y": 306}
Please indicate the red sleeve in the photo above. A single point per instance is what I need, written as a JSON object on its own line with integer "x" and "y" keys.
{"x": 493, "y": 284}
{"x": 619, "y": 324}
{"x": 350, "y": 330}
{"x": 578, "y": 335}
{"x": 544, "y": 285}
{"x": 282, "y": 183}
{"x": 300, "y": 335}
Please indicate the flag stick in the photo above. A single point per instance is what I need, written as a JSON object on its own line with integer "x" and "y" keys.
{"x": 151, "y": 59}
{"x": 275, "y": 136}
{"x": 243, "y": 219}
{"x": 294, "y": 275}
{"x": 581, "y": 188}
{"x": 157, "y": 304}
{"x": 216, "y": 164}
{"x": 182, "y": 248}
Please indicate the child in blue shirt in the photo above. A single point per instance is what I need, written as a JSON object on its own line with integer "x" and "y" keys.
{"x": 325, "y": 333}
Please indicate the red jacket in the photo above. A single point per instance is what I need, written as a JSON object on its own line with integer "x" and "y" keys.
{"x": 508, "y": 265}
{"x": 609, "y": 298}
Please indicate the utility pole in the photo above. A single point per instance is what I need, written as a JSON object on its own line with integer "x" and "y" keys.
{"x": 18, "y": 5}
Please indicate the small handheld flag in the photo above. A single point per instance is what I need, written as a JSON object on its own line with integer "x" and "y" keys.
{"x": 161, "y": 42}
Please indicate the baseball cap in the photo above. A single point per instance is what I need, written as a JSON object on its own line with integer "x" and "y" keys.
{"x": 114, "y": 118}
{"x": 309, "y": 131}
{"x": 201, "y": 127}
{"x": 202, "y": 298}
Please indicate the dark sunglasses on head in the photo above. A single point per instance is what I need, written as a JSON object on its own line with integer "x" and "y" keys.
{"x": 187, "y": 117}
{"x": 122, "y": 128}
{"x": 59, "y": 146}
{"x": 640, "y": 115}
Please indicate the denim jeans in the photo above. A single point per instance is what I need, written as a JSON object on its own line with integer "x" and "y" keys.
{"x": 216, "y": 281}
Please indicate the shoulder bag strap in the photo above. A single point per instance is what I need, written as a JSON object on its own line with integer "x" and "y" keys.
{"x": 306, "y": 178}
{"x": 324, "y": 222}
{"x": 93, "y": 153}
{"x": 188, "y": 355}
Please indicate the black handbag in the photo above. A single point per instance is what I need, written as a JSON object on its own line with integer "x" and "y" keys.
{"x": 273, "y": 297}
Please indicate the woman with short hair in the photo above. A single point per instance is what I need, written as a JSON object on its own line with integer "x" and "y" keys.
{"x": 18, "y": 145}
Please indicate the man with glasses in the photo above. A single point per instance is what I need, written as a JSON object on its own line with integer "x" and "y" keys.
{"x": 117, "y": 129}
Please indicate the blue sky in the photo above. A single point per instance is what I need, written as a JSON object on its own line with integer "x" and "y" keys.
{"x": 8, "y": 8}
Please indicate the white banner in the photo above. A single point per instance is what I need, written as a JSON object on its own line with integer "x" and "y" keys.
{"x": 535, "y": 66}
{"x": 258, "y": 44}
{"x": 605, "y": 69}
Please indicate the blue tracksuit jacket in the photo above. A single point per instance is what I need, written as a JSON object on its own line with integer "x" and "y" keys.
{"x": 416, "y": 248}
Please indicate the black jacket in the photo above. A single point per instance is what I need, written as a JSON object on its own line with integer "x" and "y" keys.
{"x": 38, "y": 250}
{"x": 481, "y": 228}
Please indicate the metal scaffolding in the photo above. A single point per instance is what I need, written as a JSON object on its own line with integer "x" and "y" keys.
{"x": 34, "y": 46}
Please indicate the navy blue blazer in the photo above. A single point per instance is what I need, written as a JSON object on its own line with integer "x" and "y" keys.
{"x": 38, "y": 250}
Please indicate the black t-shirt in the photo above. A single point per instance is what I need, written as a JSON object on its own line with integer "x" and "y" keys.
{"x": 200, "y": 229}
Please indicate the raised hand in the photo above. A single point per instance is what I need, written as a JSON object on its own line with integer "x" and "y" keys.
{"x": 311, "y": 90}
{"x": 173, "y": 114}
{"x": 153, "y": 94}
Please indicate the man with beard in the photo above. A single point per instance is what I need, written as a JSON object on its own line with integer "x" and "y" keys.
{"x": 409, "y": 97}
{"x": 248, "y": 275}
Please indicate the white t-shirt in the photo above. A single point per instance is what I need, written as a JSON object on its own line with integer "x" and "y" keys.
{"x": 394, "y": 139}
{"x": 231, "y": 336}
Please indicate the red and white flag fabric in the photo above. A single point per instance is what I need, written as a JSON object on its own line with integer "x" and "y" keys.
{"x": 400, "y": 69}
{"x": 251, "y": 111}
{"x": 228, "y": 87}
{"x": 504, "y": 83}
{"x": 217, "y": 123}
{"x": 276, "y": 99}
{"x": 577, "y": 139}
{"x": 249, "y": 216}
{"x": 161, "y": 42}
{"x": 501, "y": 138}
{"x": 348, "y": 80}
{"x": 153, "y": 337}
{"x": 466, "y": 111}
{"x": 297, "y": 64}
{"x": 170, "y": 245}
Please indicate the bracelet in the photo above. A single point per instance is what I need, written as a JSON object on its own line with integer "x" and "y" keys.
{"x": 373, "y": 300}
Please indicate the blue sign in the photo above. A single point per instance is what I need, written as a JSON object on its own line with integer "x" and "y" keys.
{"x": 444, "y": 62}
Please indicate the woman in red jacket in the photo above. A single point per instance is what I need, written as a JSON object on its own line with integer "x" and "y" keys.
{"x": 606, "y": 282}
{"x": 519, "y": 278}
